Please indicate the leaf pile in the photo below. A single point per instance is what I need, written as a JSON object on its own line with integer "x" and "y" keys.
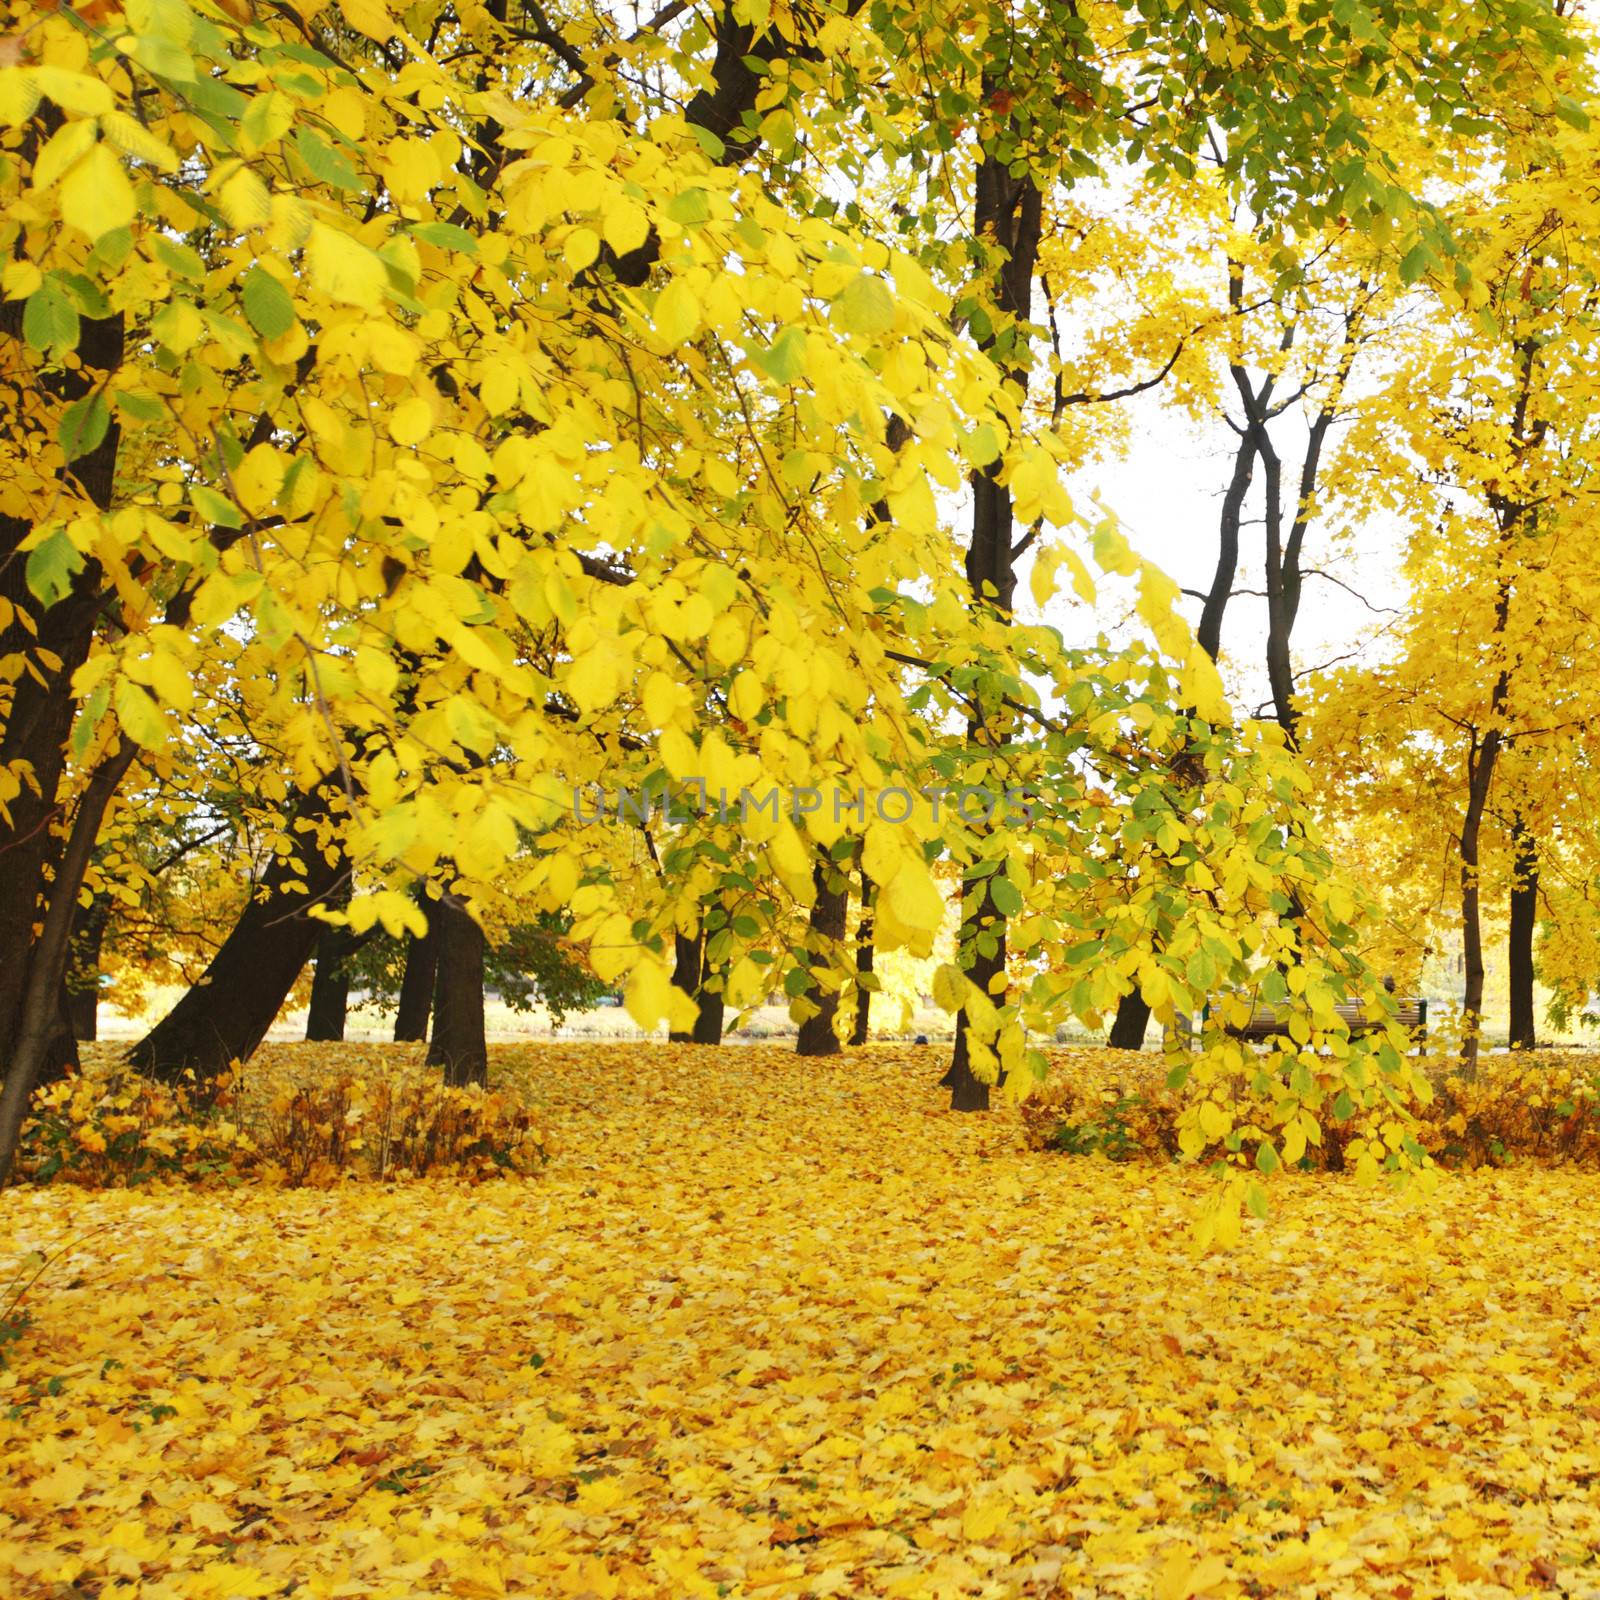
{"x": 1535, "y": 1106}
{"x": 768, "y": 1327}
{"x": 295, "y": 1116}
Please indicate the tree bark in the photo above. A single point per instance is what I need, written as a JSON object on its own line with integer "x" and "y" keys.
{"x": 459, "y": 1042}
{"x": 864, "y": 958}
{"x": 40, "y": 1016}
{"x": 1129, "y": 1024}
{"x": 416, "y": 983}
{"x": 818, "y": 1036}
{"x": 225, "y": 1016}
{"x": 688, "y": 964}
{"x": 54, "y": 641}
{"x": 710, "y": 1008}
{"x": 1524, "y": 920}
{"x": 1008, "y": 210}
{"x": 82, "y": 1003}
{"x": 330, "y": 986}
{"x": 1480, "y": 768}
{"x": 1510, "y": 516}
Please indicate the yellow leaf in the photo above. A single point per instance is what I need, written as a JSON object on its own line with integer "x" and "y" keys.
{"x": 581, "y": 249}
{"x": 411, "y": 421}
{"x": 982, "y": 1519}
{"x": 62, "y": 1487}
{"x": 344, "y": 269}
{"x": 677, "y": 313}
{"x": 170, "y": 680}
{"x": 370, "y": 17}
{"x": 96, "y": 195}
{"x": 244, "y": 200}
{"x": 915, "y": 898}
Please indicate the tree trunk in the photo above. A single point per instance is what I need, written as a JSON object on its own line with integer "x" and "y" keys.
{"x": 1510, "y": 515}
{"x": 1008, "y": 211}
{"x": 1524, "y": 919}
{"x": 1480, "y": 767}
{"x": 864, "y": 959}
{"x": 416, "y": 984}
{"x": 710, "y": 1010}
{"x": 40, "y": 1018}
{"x": 817, "y": 1036}
{"x": 967, "y": 1091}
{"x": 1220, "y": 593}
{"x": 688, "y": 965}
{"x": 53, "y": 641}
{"x": 330, "y": 986}
{"x": 1127, "y": 1028}
{"x": 459, "y": 1044}
{"x": 225, "y": 1016}
{"x": 82, "y": 1004}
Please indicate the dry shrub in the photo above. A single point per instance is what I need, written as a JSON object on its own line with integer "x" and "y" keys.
{"x": 107, "y": 1127}
{"x": 1540, "y": 1107}
{"x": 110, "y": 1129}
{"x": 403, "y": 1127}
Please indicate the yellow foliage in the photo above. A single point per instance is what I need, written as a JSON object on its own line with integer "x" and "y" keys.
{"x": 772, "y": 1327}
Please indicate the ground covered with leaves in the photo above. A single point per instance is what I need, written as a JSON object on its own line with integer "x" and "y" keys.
{"x": 770, "y": 1327}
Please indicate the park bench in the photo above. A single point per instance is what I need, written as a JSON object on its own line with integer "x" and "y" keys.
{"x": 1266, "y": 1023}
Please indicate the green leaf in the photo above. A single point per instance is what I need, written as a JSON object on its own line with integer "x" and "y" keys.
{"x": 83, "y": 425}
{"x": 1178, "y": 1075}
{"x": 1006, "y": 895}
{"x": 49, "y": 323}
{"x": 446, "y": 235}
{"x": 785, "y": 359}
{"x": 865, "y": 307}
{"x": 161, "y": 58}
{"x": 50, "y": 567}
{"x": 1415, "y": 262}
{"x": 139, "y": 715}
{"x": 215, "y": 508}
{"x": 1344, "y": 1107}
{"x": 983, "y": 445}
{"x": 1266, "y": 1158}
{"x": 94, "y": 708}
{"x": 689, "y": 209}
{"x": 266, "y": 303}
{"x": 1255, "y": 1197}
{"x": 178, "y": 258}
{"x": 326, "y": 163}
{"x": 714, "y": 148}
{"x": 141, "y": 407}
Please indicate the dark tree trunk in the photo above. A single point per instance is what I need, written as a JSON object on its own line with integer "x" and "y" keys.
{"x": 1480, "y": 768}
{"x": 416, "y": 983}
{"x": 1524, "y": 919}
{"x": 1008, "y": 210}
{"x": 40, "y": 1021}
{"x": 688, "y": 964}
{"x": 864, "y": 959}
{"x": 967, "y": 1091}
{"x": 330, "y": 986}
{"x": 817, "y": 1036}
{"x": 53, "y": 641}
{"x": 1209, "y": 633}
{"x": 82, "y": 1002}
{"x": 1130, "y": 1022}
{"x": 710, "y": 1010}
{"x": 1510, "y": 516}
{"x": 459, "y": 1044}
{"x": 225, "y": 1016}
